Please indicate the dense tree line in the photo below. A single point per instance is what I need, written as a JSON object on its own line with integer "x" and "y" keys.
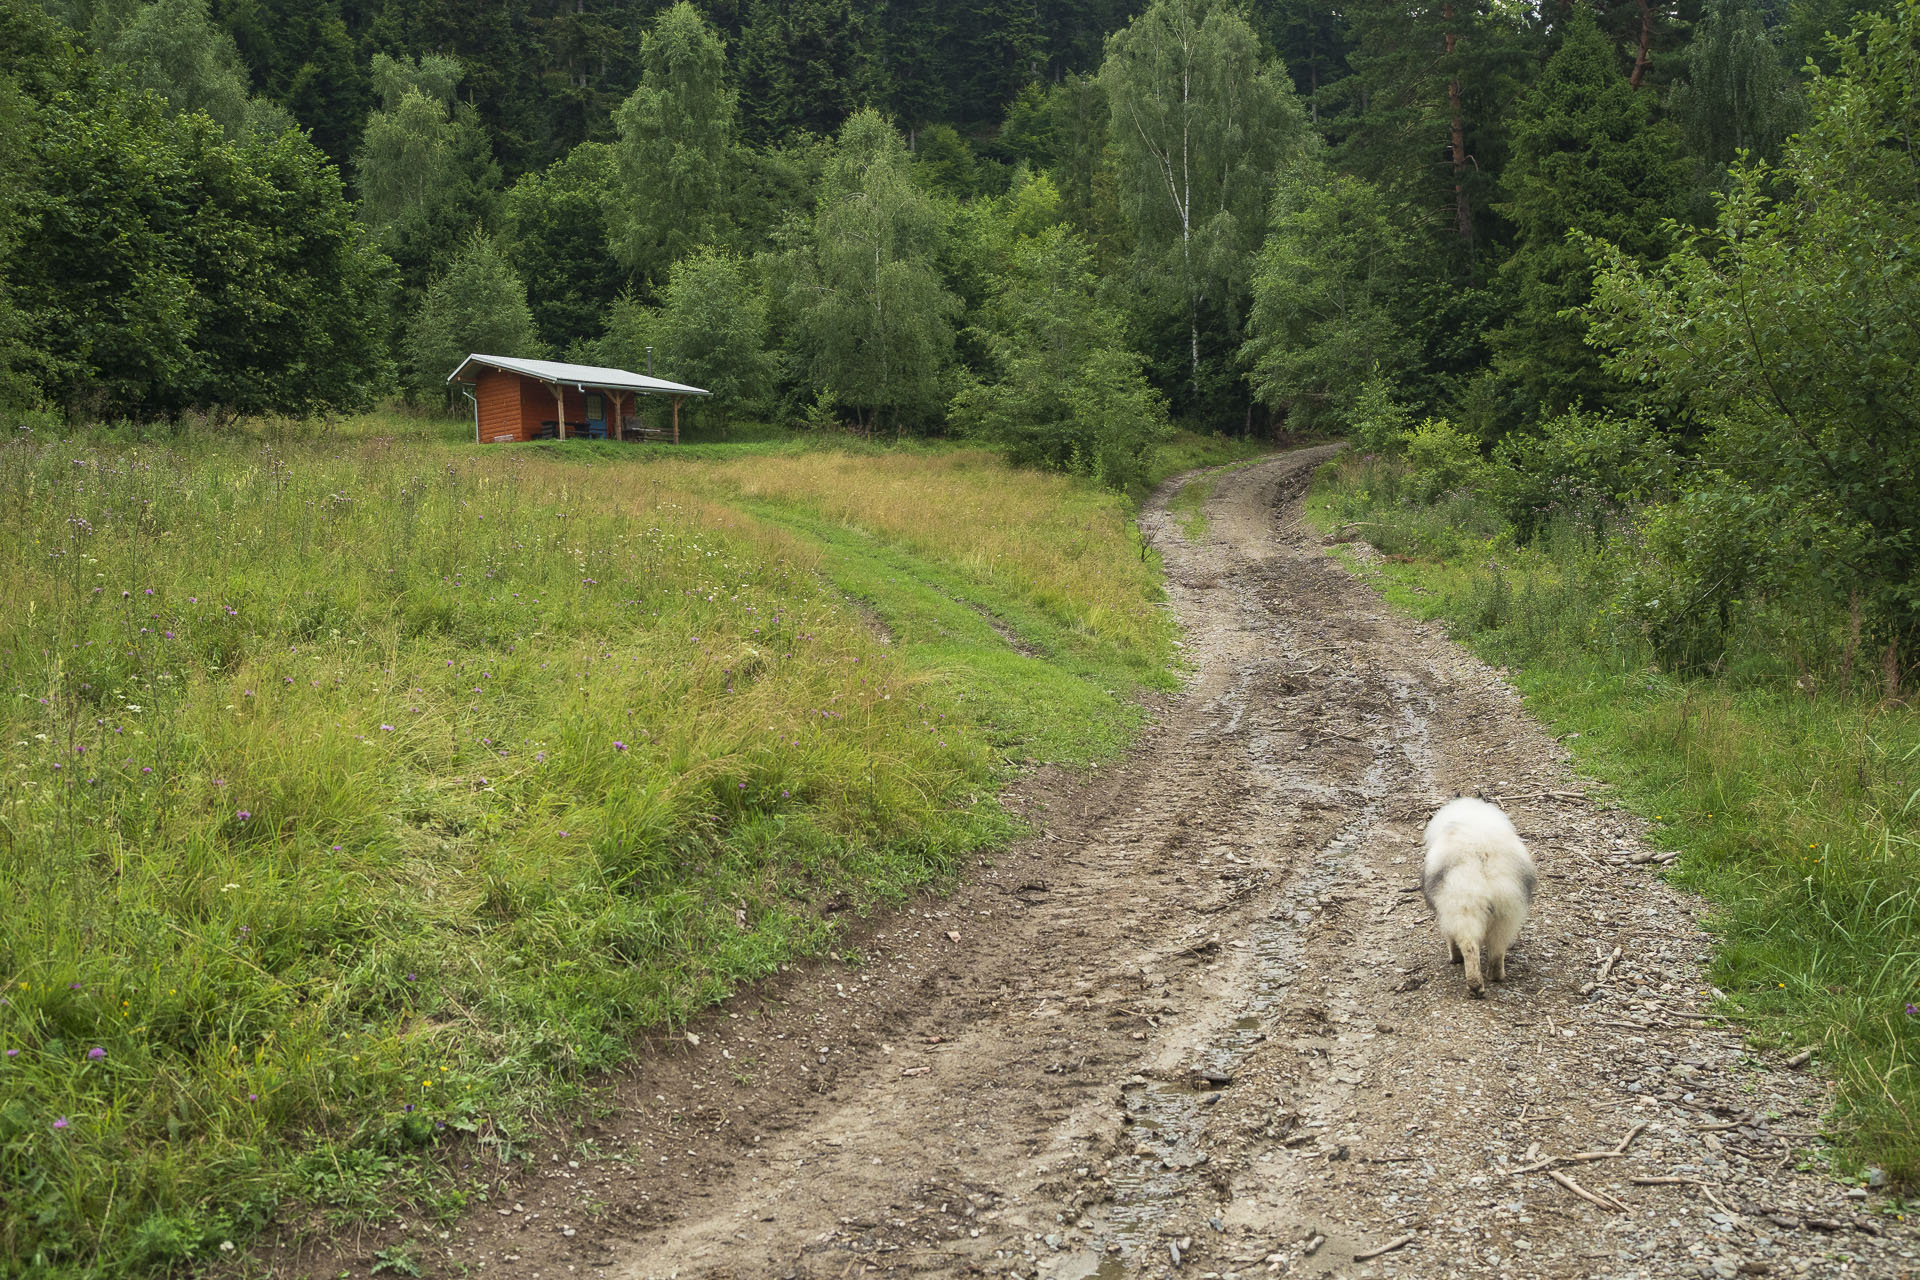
{"x": 1059, "y": 225}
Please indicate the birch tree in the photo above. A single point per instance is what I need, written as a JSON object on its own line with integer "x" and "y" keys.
{"x": 876, "y": 324}
{"x": 1199, "y": 124}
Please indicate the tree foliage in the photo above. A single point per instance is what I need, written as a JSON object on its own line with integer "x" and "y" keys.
{"x": 1064, "y": 390}
{"x": 1737, "y": 95}
{"x": 676, "y": 146}
{"x": 874, "y": 322}
{"x": 1199, "y": 123}
{"x": 712, "y": 332}
{"x": 477, "y": 304}
{"x": 1787, "y": 332}
{"x": 425, "y": 167}
{"x": 1325, "y": 297}
{"x": 174, "y": 48}
{"x": 554, "y": 231}
{"x": 1587, "y": 157}
{"x": 166, "y": 267}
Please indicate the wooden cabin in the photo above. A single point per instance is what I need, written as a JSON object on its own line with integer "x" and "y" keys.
{"x": 516, "y": 399}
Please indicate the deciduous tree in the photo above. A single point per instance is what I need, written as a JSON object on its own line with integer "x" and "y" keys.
{"x": 1199, "y": 123}
{"x": 875, "y": 325}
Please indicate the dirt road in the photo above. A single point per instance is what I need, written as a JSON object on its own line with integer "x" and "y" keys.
{"x": 1198, "y": 1025}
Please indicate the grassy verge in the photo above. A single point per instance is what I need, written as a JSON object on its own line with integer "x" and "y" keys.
{"x": 362, "y": 796}
{"x": 1797, "y": 814}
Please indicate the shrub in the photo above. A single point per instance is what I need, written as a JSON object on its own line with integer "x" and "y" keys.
{"x": 1444, "y": 459}
{"x": 1586, "y": 467}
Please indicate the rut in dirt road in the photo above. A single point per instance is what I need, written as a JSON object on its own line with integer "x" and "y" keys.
{"x": 1201, "y": 1023}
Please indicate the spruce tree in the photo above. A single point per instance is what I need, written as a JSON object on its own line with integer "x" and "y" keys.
{"x": 676, "y": 147}
{"x": 477, "y": 304}
{"x": 1587, "y": 157}
{"x": 808, "y": 65}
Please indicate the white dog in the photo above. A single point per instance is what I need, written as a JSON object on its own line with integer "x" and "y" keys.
{"x": 1479, "y": 881}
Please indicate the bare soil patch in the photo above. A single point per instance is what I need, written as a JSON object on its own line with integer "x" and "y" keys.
{"x": 1198, "y": 1024}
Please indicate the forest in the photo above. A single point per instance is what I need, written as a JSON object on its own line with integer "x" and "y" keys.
{"x": 1634, "y": 255}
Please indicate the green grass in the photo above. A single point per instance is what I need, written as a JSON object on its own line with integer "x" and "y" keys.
{"x": 1191, "y": 450}
{"x": 1797, "y": 814}
{"x": 1189, "y": 507}
{"x": 367, "y": 790}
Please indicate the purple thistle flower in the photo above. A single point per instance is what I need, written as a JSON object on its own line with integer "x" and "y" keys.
{"x": 253, "y": 1097}
{"x": 13, "y": 1053}
{"x": 386, "y": 728}
{"x": 619, "y": 746}
{"x": 244, "y": 814}
{"x": 96, "y": 1053}
{"x": 60, "y": 1122}
{"x": 1912, "y": 1010}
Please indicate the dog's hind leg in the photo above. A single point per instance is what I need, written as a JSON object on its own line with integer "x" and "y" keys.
{"x": 1453, "y": 952}
{"x": 1497, "y": 963}
{"x": 1470, "y": 957}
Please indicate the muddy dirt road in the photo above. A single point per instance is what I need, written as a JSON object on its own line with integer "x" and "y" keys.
{"x": 1200, "y": 1026}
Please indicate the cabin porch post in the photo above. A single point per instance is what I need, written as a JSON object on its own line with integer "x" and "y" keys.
{"x": 560, "y": 400}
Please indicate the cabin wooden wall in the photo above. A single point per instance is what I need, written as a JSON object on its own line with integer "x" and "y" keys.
{"x": 513, "y": 407}
{"x": 501, "y": 419}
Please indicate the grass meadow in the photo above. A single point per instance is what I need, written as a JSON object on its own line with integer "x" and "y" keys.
{"x": 1794, "y": 800}
{"x": 365, "y": 792}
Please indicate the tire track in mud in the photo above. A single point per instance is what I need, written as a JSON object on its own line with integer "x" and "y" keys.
{"x": 1199, "y": 1025}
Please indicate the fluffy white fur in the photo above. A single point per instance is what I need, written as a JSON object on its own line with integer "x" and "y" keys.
{"x": 1479, "y": 881}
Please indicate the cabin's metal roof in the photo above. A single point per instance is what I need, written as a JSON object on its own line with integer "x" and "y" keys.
{"x": 574, "y": 375}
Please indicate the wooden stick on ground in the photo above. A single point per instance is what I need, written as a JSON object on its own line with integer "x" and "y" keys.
{"x": 1388, "y": 1247}
{"x": 1601, "y": 977}
{"x": 1666, "y": 1182}
{"x": 1707, "y": 1191}
{"x": 1608, "y": 1203}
